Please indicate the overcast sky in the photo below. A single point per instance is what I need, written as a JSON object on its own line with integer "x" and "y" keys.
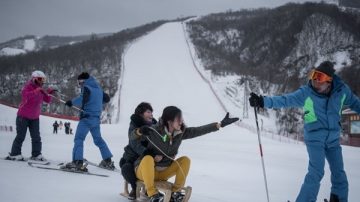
{"x": 76, "y": 17}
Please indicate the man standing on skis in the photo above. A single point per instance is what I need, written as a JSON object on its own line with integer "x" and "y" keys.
{"x": 322, "y": 100}
{"x": 91, "y": 102}
{"x": 32, "y": 96}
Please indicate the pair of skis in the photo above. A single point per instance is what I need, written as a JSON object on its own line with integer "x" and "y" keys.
{"x": 58, "y": 168}
{"x": 52, "y": 165}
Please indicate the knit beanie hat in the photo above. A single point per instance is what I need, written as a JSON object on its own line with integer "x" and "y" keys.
{"x": 327, "y": 68}
{"x": 83, "y": 76}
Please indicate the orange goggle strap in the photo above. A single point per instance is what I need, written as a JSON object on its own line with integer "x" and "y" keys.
{"x": 319, "y": 76}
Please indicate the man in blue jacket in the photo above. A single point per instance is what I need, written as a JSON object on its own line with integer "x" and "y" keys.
{"x": 322, "y": 100}
{"x": 91, "y": 102}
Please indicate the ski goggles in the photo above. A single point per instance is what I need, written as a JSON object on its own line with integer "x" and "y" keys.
{"x": 319, "y": 76}
{"x": 40, "y": 79}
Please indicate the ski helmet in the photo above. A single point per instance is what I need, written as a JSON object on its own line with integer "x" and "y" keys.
{"x": 38, "y": 74}
{"x": 38, "y": 77}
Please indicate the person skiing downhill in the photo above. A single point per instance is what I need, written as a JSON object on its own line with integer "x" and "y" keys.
{"x": 322, "y": 100}
{"x": 32, "y": 96}
{"x": 90, "y": 101}
{"x": 164, "y": 141}
{"x": 142, "y": 116}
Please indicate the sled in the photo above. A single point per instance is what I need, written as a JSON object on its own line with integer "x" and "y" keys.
{"x": 163, "y": 186}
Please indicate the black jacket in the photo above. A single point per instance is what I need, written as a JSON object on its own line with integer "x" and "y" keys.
{"x": 135, "y": 148}
{"x": 169, "y": 143}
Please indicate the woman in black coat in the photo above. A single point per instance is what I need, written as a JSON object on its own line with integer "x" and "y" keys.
{"x": 136, "y": 148}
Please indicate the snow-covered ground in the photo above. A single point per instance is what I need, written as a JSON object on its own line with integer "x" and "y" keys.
{"x": 225, "y": 165}
{"x": 28, "y": 45}
{"x": 11, "y": 51}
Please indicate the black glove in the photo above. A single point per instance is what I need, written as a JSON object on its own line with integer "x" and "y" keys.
{"x": 68, "y": 103}
{"x": 256, "y": 101}
{"x": 145, "y": 130}
{"x": 227, "y": 121}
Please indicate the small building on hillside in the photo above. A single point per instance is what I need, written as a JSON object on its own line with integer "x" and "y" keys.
{"x": 350, "y": 122}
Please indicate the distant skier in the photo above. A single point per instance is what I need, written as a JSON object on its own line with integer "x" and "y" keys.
{"x": 91, "y": 102}
{"x": 67, "y": 127}
{"x": 55, "y": 126}
{"x": 32, "y": 96}
{"x": 142, "y": 116}
{"x": 60, "y": 125}
{"x": 167, "y": 135}
{"x": 322, "y": 100}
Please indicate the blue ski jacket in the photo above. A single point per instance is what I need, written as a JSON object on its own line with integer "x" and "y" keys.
{"x": 91, "y": 99}
{"x": 322, "y": 113}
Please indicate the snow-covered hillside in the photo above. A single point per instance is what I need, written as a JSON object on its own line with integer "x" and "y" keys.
{"x": 20, "y": 46}
{"x": 225, "y": 165}
{"x": 31, "y": 43}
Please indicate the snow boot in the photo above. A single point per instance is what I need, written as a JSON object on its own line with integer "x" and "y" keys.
{"x": 159, "y": 197}
{"x": 177, "y": 197}
{"x": 132, "y": 195}
{"x": 107, "y": 164}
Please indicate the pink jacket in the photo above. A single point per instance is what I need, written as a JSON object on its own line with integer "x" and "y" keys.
{"x": 31, "y": 100}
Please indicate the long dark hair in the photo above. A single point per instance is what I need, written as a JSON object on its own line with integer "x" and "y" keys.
{"x": 169, "y": 114}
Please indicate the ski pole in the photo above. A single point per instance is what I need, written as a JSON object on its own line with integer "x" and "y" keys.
{"x": 261, "y": 153}
{"x": 65, "y": 102}
{"x": 61, "y": 94}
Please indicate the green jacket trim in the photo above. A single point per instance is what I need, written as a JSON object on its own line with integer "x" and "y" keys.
{"x": 309, "y": 112}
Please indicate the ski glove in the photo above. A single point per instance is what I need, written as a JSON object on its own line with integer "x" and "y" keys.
{"x": 256, "y": 100}
{"x": 68, "y": 103}
{"x": 51, "y": 91}
{"x": 145, "y": 130}
{"x": 227, "y": 121}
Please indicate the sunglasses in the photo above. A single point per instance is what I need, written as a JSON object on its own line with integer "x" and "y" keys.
{"x": 319, "y": 76}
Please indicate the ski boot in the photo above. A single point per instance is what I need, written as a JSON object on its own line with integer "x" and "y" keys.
{"x": 15, "y": 157}
{"x": 107, "y": 164}
{"x": 38, "y": 158}
{"x": 76, "y": 165}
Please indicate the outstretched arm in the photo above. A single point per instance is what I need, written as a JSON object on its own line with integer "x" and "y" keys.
{"x": 295, "y": 99}
{"x": 192, "y": 132}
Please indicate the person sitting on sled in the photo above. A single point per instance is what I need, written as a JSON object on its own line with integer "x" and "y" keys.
{"x": 157, "y": 161}
{"x": 142, "y": 116}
